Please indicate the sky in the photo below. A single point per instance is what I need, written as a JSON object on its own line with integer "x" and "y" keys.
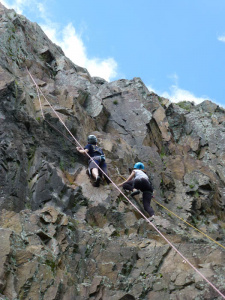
{"x": 177, "y": 47}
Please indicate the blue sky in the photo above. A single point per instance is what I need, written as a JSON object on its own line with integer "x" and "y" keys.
{"x": 177, "y": 47}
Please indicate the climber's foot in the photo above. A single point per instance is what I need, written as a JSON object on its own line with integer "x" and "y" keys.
{"x": 97, "y": 182}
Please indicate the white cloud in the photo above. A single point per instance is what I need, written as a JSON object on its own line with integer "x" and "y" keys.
{"x": 151, "y": 89}
{"x": 221, "y": 38}
{"x": 69, "y": 40}
{"x": 174, "y": 77}
{"x": 71, "y": 43}
{"x": 176, "y": 94}
{"x": 17, "y": 5}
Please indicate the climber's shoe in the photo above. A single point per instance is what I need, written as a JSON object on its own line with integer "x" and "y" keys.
{"x": 97, "y": 182}
{"x": 107, "y": 180}
{"x": 152, "y": 218}
{"x": 136, "y": 192}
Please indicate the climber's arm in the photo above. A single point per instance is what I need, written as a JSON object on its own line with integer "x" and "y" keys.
{"x": 128, "y": 179}
{"x": 83, "y": 151}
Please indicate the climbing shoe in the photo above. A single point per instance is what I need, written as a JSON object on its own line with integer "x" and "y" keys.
{"x": 107, "y": 180}
{"x": 97, "y": 182}
{"x": 152, "y": 218}
{"x": 137, "y": 192}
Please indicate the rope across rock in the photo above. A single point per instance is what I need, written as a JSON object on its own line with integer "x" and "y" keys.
{"x": 39, "y": 91}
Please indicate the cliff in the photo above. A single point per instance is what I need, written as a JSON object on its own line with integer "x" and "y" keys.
{"x": 61, "y": 238}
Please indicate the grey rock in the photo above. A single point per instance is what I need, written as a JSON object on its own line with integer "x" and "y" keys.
{"x": 60, "y": 237}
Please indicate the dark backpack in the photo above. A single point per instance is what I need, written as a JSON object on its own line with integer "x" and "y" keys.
{"x": 97, "y": 150}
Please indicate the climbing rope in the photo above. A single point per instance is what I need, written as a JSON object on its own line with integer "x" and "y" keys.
{"x": 182, "y": 219}
{"x": 189, "y": 224}
{"x": 176, "y": 250}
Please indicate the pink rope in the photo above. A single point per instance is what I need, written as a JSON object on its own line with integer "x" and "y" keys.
{"x": 184, "y": 258}
{"x": 39, "y": 99}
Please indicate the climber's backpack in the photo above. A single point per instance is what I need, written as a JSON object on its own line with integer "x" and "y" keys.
{"x": 98, "y": 153}
{"x": 97, "y": 150}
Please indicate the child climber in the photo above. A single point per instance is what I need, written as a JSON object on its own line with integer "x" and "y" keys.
{"x": 139, "y": 181}
{"x": 98, "y": 156}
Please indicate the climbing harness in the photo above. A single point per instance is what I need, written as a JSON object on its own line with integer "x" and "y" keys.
{"x": 176, "y": 250}
{"x": 100, "y": 158}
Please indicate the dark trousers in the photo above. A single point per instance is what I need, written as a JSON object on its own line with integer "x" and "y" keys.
{"x": 145, "y": 187}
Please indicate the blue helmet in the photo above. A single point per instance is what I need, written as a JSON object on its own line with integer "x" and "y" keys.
{"x": 139, "y": 165}
{"x": 92, "y": 139}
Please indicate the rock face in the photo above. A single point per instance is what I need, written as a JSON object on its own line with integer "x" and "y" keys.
{"x": 60, "y": 238}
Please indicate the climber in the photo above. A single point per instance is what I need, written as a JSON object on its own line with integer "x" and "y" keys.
{"x": 98, "y": 156}
{"x": 139, "y": 181}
